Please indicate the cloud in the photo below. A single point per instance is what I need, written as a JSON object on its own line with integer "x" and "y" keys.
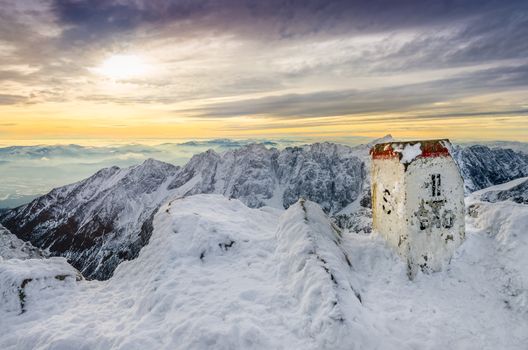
{"x": 282, "y": 60}
{"x": 382, "y": 100}
{"x": 93, "y": 19}
{"x": 11, "y": 99}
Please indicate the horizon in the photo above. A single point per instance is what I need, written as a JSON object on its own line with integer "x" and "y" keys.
{"x": 99, "y": 71}
{"x": 351, "y": 140}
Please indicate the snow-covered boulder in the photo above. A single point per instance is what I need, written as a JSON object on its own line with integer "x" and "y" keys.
{"x": 26, "y": 282}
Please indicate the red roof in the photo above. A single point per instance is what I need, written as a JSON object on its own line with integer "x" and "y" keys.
{"x": 430, "y": 148}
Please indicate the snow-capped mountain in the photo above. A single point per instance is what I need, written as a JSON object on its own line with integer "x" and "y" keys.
{"x": 99, "y": 222}
{"x": 329, "y": 174}
{"x": 482, "y": 167}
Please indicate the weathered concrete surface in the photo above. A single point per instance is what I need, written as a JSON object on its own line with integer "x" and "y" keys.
{"x": 418, "y": 201}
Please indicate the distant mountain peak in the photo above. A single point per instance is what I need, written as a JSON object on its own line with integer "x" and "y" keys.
{"x": 384, "y": 139}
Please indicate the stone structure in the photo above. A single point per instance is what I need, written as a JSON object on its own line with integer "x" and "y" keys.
{"x": 418, "y": 201}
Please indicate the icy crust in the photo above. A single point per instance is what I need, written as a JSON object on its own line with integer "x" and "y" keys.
{"x": 26, "y": 282}
{"x": 318, "y": 272}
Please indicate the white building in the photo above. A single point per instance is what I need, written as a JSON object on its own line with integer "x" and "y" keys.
{"x": 418, "y": 201}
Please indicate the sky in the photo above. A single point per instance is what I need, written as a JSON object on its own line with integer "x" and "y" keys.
{"x": 134, "y": 70}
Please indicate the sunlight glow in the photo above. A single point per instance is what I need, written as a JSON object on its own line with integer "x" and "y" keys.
{"x": 122, "y": 67}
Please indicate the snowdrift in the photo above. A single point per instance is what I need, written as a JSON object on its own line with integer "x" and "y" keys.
{"x": 498, "y": 213}
{"x": 25, "y": 282}
{"x": 217, "y": 274}
{"x": 318, "y": 272}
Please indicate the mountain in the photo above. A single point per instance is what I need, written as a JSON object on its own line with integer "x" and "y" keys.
{"x": 218, "y": 274}
{"x": 101, "y": 221}
{"x": 105, "y": 219}
{"x": 329, "y": 174}
{"x": 98, "y": 222}
{"x": 482, "y": 167}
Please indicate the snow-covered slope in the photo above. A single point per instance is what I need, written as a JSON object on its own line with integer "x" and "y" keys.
{"x": 515, "y": 191}
{"x": 217, "y": 274}
{"x": 317, "y": 271}
{"x": 105, "y": 219}
{"x": 12, "y": 247}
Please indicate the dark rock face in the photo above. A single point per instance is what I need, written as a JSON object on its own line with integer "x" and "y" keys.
{"x": 483, "y": 167}
{"x": 95, "y": 223}
{"x": 517, "y": 194}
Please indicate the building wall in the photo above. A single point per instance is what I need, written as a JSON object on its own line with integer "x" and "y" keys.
{"x": 434, "y": 216}
{"x": 388, "y": 201}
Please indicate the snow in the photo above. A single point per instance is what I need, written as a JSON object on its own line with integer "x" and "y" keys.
{"x": 117, "y": 205}
{"x": 500, "y": 187}
{"x": 316, "y": 270}
{"x": 27, "y": 282}
{"x": 409, "y": 152}
{"x": 217, "y": 274}
{"x": 12, "y": 247}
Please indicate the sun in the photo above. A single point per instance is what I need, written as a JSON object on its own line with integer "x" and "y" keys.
{"x": 119, "y": 67}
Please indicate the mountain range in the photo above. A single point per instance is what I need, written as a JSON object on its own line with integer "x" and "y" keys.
{"x": 107, "y": 218}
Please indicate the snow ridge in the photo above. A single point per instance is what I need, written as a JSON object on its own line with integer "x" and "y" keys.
{"x": 12, "y": 247}
{"x": 329, "y": 174}
{"x": 318, "y": 272}
{"x": 517, "y": 192}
